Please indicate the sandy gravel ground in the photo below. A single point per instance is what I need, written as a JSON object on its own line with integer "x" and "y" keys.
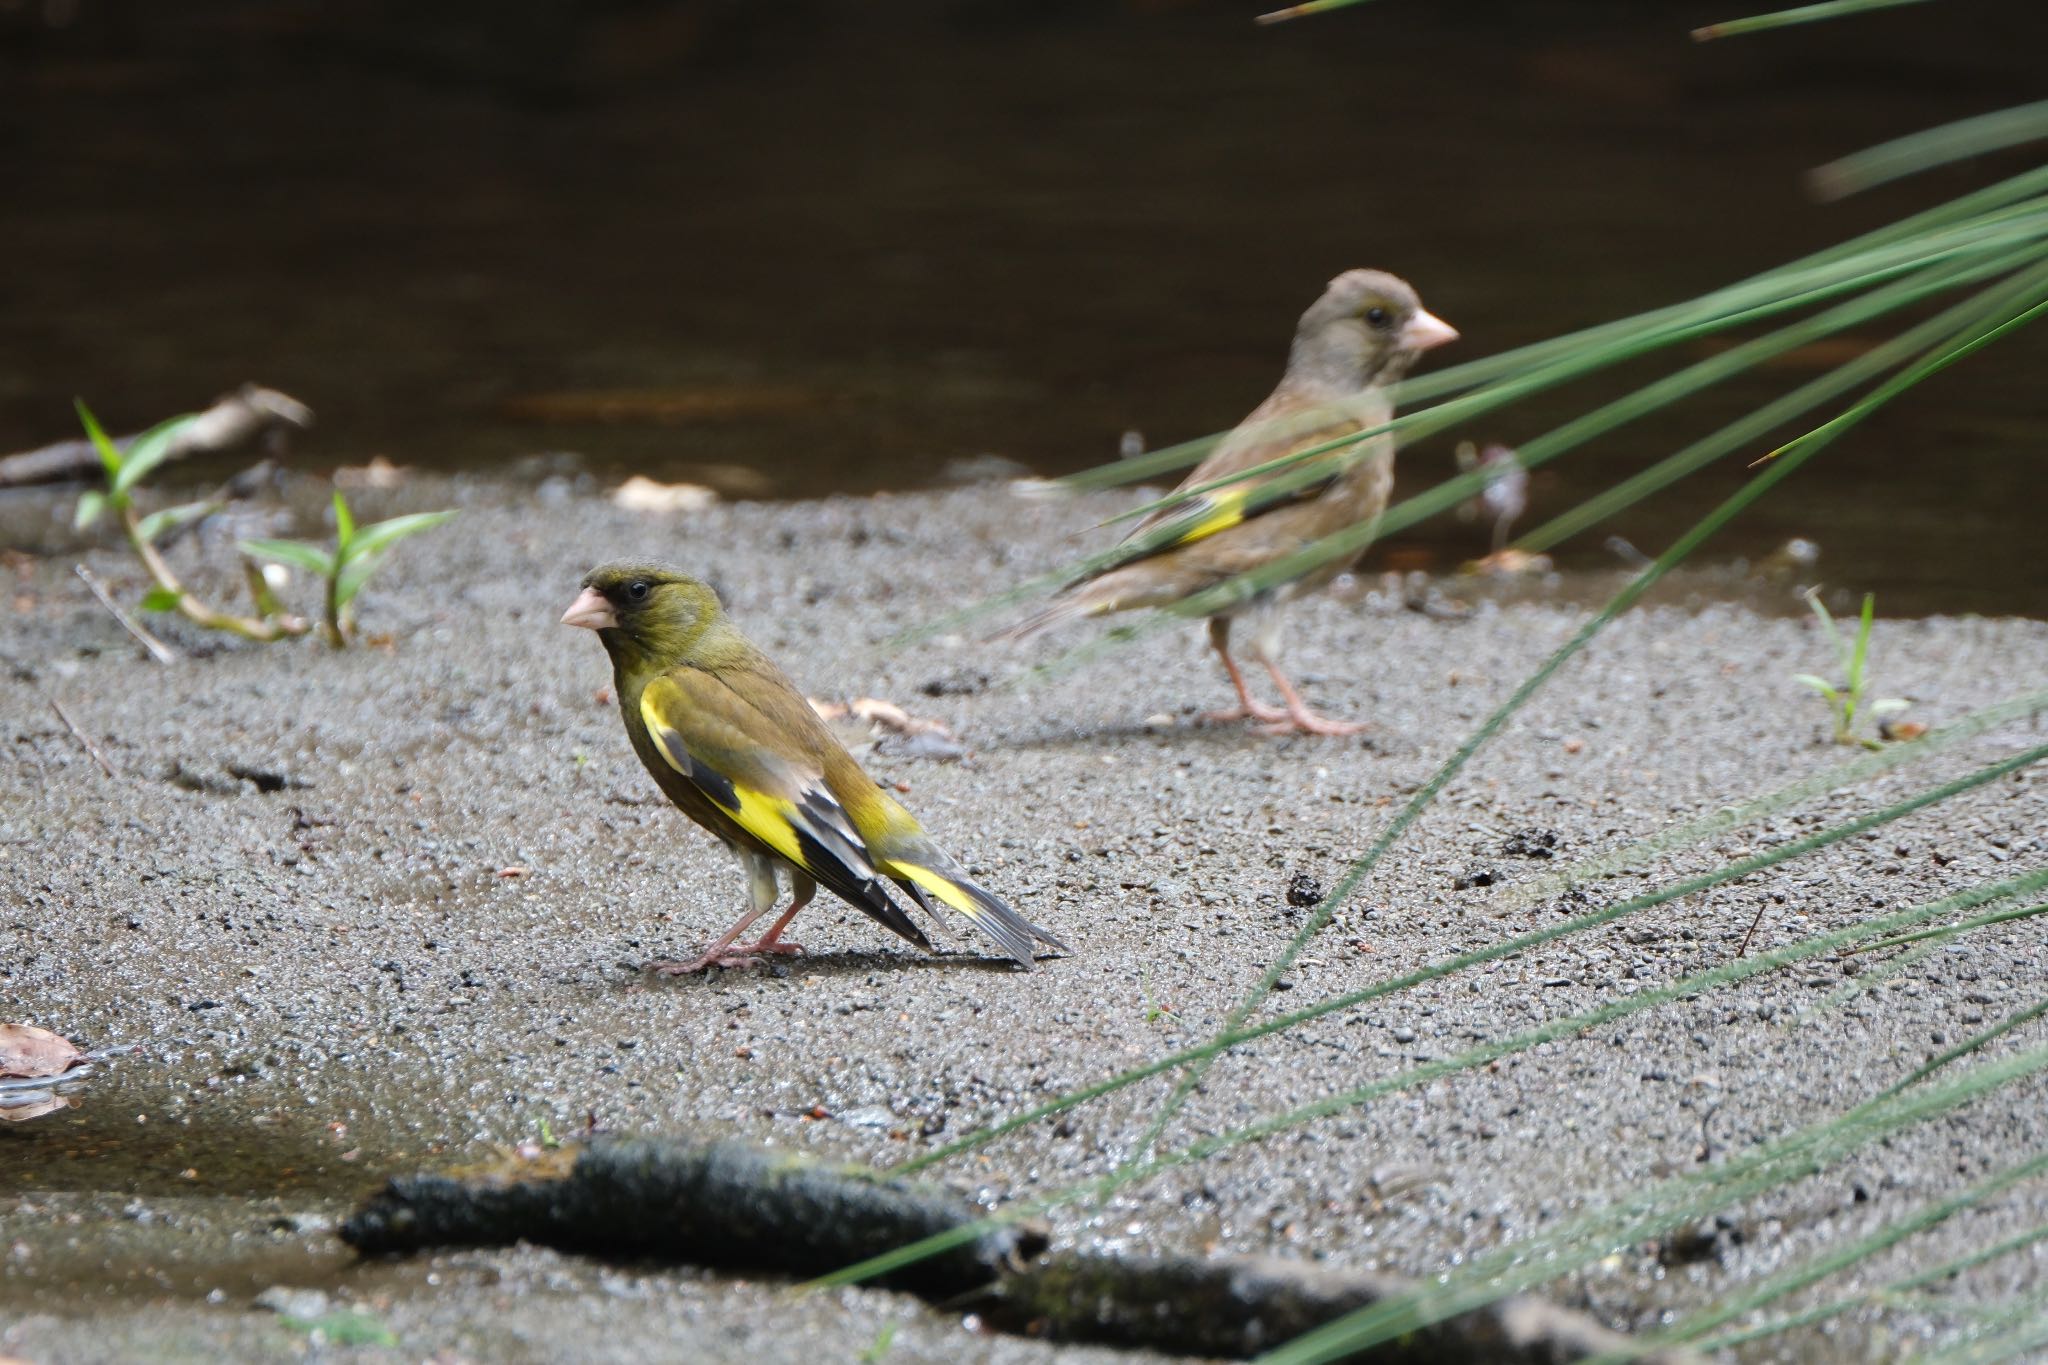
{"x": 407, "y": 934}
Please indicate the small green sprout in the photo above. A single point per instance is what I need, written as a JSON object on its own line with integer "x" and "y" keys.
{"x": 548, "y": 1140}
{"x": 880, "y": 1346}
{"x": 1154, "y": 1011}
{"x": 357, "y": 553}
{"x": 125, "y": 471}
{"x": 1846, "y": 698}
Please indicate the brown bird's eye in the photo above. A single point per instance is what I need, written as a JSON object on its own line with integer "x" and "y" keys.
{"x": 638, "y": 589}
{"x": 1376, "y": 315}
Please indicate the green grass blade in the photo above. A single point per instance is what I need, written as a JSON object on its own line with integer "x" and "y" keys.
{"x": 1932, "y": 147}
{"x": 102, "y": 444}
{"x": 1820, "y": 1267}
{"x": 298, "y": 554}
{"x": 1803, "y": 14}
{"x": 1754, "y": 426}
{"x": 149, "y": 450}
{"x": 1837, "y": 1307}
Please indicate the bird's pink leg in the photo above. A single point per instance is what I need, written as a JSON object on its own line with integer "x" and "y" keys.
{"x": 771, "y": 942}
{"x": 1248, "y": 707}
{"x": 1298, "y": 718}
{"x": 762, "y": 894}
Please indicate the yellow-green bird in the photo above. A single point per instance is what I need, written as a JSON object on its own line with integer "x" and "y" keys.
{"x": 1350, "y": 346}
{"x": 735, "y": 745}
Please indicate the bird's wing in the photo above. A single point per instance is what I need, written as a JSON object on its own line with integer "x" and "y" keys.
{"x": 740, "y": 760}
{"x": 1275, "y": 430}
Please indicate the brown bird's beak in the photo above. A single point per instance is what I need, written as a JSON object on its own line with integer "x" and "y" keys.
{"x": 1426, "y": 330}
{"x": 591, "y": 611}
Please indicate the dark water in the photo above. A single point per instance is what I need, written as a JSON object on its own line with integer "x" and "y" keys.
{"x": 836, "y": 247}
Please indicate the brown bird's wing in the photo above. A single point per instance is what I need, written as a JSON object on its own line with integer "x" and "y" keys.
{"x": 1286, "y": 423}
{"x": 752, "y": 765}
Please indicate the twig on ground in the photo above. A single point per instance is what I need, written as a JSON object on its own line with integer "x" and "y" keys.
{"x": 82, "y": 738}
{"x": 158, "y": 650}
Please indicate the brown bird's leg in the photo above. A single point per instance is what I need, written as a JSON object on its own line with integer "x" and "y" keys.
{"x": 1248, "y": 707}
{"x": 1298, "y": 718}
{"x": 802, "y": 888}
{"x": 762, "y": 893}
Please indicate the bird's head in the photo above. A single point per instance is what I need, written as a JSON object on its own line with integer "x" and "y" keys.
{"x": 645, "y": 611}
{"x": 1367, "y": 328}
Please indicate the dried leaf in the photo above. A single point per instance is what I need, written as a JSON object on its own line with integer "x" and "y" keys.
{"x": 26, "y": 1050}
{"x": 32, "y": 1104}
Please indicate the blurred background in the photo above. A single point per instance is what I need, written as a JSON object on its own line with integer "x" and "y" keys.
{"x": 800, "y": 248}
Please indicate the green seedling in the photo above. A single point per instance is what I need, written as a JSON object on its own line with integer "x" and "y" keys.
{"x": 358, "y": 550}
{"x": 125, "y": 470}
{"x": 879, "y": 1347}
{"x": 1846, "y": 699}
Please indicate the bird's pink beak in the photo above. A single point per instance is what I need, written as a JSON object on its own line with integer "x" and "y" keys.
{"x": 591, "y": 612}
{"x": 1426, "y": 330}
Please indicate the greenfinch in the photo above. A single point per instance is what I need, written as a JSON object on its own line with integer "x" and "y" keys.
{"x": 1350, "y": 347}
{"x": 732, "y": 742}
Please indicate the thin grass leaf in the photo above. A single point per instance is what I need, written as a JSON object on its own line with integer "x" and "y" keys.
{"x": 311, "y": 558}
{"x": 1820, "y": 1267}
{"x": 381, "y": 535}
{"x": 1758, "y": 423}
{"x": 161, "y": 599}
{"x": 163, "y": 521}
{"x": 109, "y": 453}
{"x": 1515, "y": 1269}
{"x": 1950, "y": 930}
{"x": 1967, "y": 1046}
{"x": 1307, "y": 7}
{"x": 1784, "y": 18}
{"x": 1932, "y": 147}
{"x": 368, "y": 546}
{"x": 1915, "y": 374}
{"x": 1835, "y": 1308}
{"x": 92, "y": 505}
{"x": 344, "y": 528}
{"x": 149, "y": 450}
{"x": 1604, "y": 865}
{"x": 1980, "y": 1346}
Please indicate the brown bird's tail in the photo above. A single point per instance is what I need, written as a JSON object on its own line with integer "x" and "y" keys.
{"x": 933, "y": 879}
{"x": 1073, "y": 608}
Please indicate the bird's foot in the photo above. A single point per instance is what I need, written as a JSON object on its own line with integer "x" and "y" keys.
{"x": 1258, "y": 711}
{"x": 1307, "y": 722}
{"x": 772, "y": 945}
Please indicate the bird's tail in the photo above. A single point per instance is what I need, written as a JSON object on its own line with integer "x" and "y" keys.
{"x": 930, "y": 876}
{"x": 1069, "y": 609}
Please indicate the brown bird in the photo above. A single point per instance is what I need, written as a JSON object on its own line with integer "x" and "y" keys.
{"x": 1350, "y": 347}
{"x": 732, "y": 742}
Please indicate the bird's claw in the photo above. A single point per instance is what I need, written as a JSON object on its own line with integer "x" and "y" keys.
{"x": 729, "y": 959}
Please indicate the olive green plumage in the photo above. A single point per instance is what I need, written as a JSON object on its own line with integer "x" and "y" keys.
{"x": 733, "y": 743}
{"x": 1349, "y": 348}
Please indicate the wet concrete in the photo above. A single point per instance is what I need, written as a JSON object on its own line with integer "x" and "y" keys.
{"x": 422, "y": 944}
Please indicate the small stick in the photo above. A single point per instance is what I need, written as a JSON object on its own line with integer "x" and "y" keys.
{"x": 158, "y": 650}
{"x": 80, "y": 736}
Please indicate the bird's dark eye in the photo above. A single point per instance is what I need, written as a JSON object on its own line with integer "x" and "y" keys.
{"x": 1376, "y": 315}
{"x": 637, "y": 590}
